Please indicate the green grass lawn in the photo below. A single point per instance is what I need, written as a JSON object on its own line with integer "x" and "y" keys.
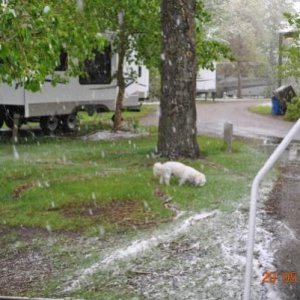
{"x": 104, "y": 190}
{"x": 261, "y": 109}
{"x": 66, "y": 183}
{"x": 103, "y": 120}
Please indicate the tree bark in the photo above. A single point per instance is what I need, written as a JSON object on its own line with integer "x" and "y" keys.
{"x": 177, "y": 124}
{"x": 121, "y": 92}
{"x": 120, "y": 76}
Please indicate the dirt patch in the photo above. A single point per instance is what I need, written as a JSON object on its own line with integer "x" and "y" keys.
{"x": 284, "y": 205}
{"x": 22, "y": 264}
{"x": 30, "y": 257}
{"x": 21, "y": 269}
{"x": 128, "y": 213}
{"x": 109, "y": 135}
{"x": 283, "y": 201}
{"x": 22, "y": 189}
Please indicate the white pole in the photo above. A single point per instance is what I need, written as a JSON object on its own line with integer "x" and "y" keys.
{"x": 254, "y": 193}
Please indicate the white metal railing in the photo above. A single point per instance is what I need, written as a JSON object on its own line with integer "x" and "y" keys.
{"x": 254, "y": 193}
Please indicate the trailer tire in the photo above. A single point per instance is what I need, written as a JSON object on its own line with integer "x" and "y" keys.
{"x": 1, "y": 120}
{"x": 9, "y": 121}
{"x": 70, "y": 122}
{"x": 49, "y": 124}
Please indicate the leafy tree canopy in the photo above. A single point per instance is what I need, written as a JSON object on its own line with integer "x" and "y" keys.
{"x": 291, "y": 48}
{"x": 209, "y": 47}
{"x": 137, "y": 21}
{"x": 33, "y": 33}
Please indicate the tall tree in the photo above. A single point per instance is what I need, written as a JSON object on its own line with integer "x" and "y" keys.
{"x": 274, "y": 24}
{"x": 290, "y": 67}
{"x": 177, "y": 123}
{"x": 251, "y": 28}
{"x": 135, "y": 27}
{"x": 186, "y": 46}
{"x": 242, "y": 25}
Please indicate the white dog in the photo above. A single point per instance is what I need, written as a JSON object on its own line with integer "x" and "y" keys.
{"x": 181, "y": 171}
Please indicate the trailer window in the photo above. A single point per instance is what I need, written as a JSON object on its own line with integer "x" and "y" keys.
{"x": 98, "y": 71}
{"x": 63, "y": 62}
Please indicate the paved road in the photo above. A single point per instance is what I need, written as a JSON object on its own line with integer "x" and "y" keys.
{"x": 211, "y": 117}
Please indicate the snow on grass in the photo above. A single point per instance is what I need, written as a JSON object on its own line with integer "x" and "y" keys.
{"x": 109, "y": 135}
{"x": 139, "y": 246}
{"x": 200, "y": 257}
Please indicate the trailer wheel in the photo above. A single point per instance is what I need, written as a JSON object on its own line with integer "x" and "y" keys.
{"x": 49, "y": 124}
{"x": 9, "y": 121}
{"x": 70, "y": 122}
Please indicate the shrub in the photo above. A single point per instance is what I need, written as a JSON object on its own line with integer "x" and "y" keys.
{"x": 293, "y": 110}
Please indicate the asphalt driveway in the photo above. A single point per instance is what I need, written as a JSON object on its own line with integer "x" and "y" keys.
{"x": 211, "y": 117}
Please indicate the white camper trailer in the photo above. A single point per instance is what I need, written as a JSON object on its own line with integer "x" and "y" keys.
{"x": 206, "y": 83}
{"x": 137, "y": 86}
{"x": 56, "y": 107}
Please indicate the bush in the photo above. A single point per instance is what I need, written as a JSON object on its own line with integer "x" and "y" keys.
{"x": 293, "y": 110}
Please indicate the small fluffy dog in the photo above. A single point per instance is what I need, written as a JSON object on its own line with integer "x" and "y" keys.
{"x": 182, "y": 172}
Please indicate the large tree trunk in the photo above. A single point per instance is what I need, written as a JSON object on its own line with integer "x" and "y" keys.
{"x": 177, "y": 124}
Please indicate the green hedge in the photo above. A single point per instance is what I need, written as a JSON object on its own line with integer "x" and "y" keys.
{"x": 293, "y": 110}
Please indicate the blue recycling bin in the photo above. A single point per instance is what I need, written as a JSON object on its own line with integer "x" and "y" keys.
{"x": 276, "y": 106}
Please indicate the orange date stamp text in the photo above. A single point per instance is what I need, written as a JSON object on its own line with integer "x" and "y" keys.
{"x": 284, "y": 277}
